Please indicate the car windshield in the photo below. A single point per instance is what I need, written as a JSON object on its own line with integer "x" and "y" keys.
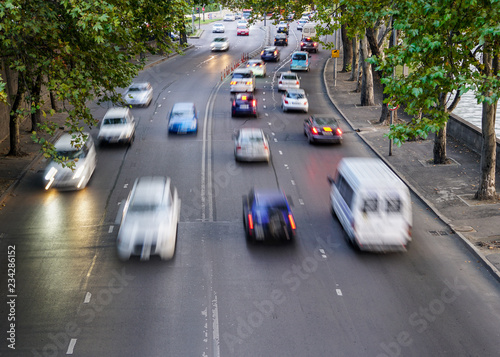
{"x": 219, "y": 39}
{"x": 299, "y": 57}
{"x": 242, "y": 26}
{"x": 289, "y": 77}
{"x": 114, "y": 121}
{"x": 242, "y": 75}
{"x": 280, "y": 37}
{"x": 182, "y": 113}
{"x": 136, "y": 89}
{"x": 325, "y": 122}
{"x": 70, "y": 154}
{"x": 139, "y": 207}
{"x": 296, "y": 95}
{"x": 252, "y": 139}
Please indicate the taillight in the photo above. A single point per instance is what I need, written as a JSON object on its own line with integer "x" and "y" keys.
{"x": 232, "y": 82}
{"x": 286, "y": 101}
{"x": 302, "y": 43}
{"x": 234, "y": 103}
{"x": 248, "y": 83}
{"x": 314, "y": 130}
{"x": 250, "y": 221}
{"x": 254, "y": 103}
{"x": 297, "y": 83}
{"x": 339, "y": 132}
{"x": 275, "y": 52}
{"x": 238, "y": 147}
{"x": 248, "y": 65}
{"x": 292, "y": 221}
{"x": 305, "y": 102}
{"x": 315, "y": 43}
{"x": 280, "y": 82}
{"x": 262, "y": 53}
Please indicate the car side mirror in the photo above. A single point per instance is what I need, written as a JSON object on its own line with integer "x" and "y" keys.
{"x": 330, "y": 180}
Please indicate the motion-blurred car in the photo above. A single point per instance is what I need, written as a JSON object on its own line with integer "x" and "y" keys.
{"x": 244, "y": 104}
{"x": 322, "y": 129}
{"x": 282, "y": 29}
{"x": 117, "y": 126}
{"x": 183, "y": 118}
{"x": 229, "y": 17}
{"x": 301, "y": 23}
{"x": 308, "y": 44}
{"x": 220, "y": 44}
{"x": 300, "y": 61}
{"x": 257, "y": 66}
{"x": 270, "y": 53}
{"x": 281, "y": 39}
{"x": 81, "y": 150}
{"x": 242, "y": 30}
{"x": 267, "y": 216}
{"x": 284, "y": 23}
{"x": 218, "y": 27}
{"x": 237, "y": 16}
{"x": 149, "y": 221}
{"x": 294, "y": 99}
{"x": 288, "y": 80}
{"x": 139, "y": 94}
{"x": 251, "y": 144}
{"x": 243, "y": 80}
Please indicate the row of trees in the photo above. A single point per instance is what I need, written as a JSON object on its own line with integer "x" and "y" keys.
{"x": 80, "y": 51}
{"x": 450, "y": 47}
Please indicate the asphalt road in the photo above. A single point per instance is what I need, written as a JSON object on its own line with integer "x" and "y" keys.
{"x": 220, "y": 296}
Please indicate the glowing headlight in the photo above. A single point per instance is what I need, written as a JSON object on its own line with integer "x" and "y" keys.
{"x": 78, "y": 172}
{"x": 50, "y": 175}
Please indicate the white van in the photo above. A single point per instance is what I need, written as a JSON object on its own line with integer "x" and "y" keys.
{"x": 309, "y": 30}
{"x": 372, "y": 204}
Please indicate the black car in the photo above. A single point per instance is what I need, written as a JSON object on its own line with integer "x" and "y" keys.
{"x": 244, "y": 104}
{"x": 270, "y": 53}
{"x": 267, "y": 216}
{"x": 322, "y": 129}
{"x": 281, "y": 39}
{"x": 308, "y": 44}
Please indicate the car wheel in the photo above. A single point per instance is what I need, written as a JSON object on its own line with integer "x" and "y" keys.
{"x": 310, "y": 139}
{"x": 283, "y": 108}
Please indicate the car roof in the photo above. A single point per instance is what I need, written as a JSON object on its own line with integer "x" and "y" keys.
{"x": 64, "y": 142}
{"x": 324, "y": 117}
{"x": 242, "y": 70}
{"x": 116, "y": 113}
{"x": 149, "y": 189}
{"x": 268, "y": 196}
{"x": 289, "y": 73}
{"x": 139, "y": 84}
{"x": 270, "y": 48}
{"x": 183, "y": 106}
{"x": 254, "y": 60}
{"x": 296, "y": 90}
{"x": 251, "y": 132}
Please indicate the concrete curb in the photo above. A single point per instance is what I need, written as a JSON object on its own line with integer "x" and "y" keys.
{"x": 489, "y": 266}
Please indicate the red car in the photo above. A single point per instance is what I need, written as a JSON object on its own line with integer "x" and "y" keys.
{"x": 242, "y": 30}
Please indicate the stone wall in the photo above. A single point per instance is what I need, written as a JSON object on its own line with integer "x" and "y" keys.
{"x": 468, "y": 134}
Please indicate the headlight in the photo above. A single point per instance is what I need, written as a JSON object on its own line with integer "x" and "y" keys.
{"x": 78, "y": 172}
{"x": 50, "y": 175}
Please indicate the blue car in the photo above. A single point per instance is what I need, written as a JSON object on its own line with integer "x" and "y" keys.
{"x": 267, "y": 216}
{"x": 244, "y": 104}
{"x": 183, "y": 119}
{"x": 300, "y": 61}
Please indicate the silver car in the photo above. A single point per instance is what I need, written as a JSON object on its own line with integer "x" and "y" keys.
{"x": 294, "y": 99}
{"x": 218, "y": 27}
{"x": 220, "y": 44}
{"x": 80, "y": 149}
{"x": 117, "y": 126}
{"x": 243, "y": 80}
{"x": 251, "y": 144}
{"x": 150, "y": 218}
{"x": 288, "y": 80}
{"x": 139, "y": 94}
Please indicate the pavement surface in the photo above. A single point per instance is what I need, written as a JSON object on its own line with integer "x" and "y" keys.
{"x": 447, "y": 190}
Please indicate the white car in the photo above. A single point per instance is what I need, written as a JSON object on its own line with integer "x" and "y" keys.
{"x": 220, "y": 44}
{"x": 117, "y": 126}
{"x": 294, "y": 99}
{"x": 229, "y": 17}
{"x": 80, "y": 149}
{"x": 251, "y": 144}
{"x": 218, "y": 27}
{"x": 149, "y": 221}
{"x": 288, "y": 80}
{"x": 257, "y": 66}
{"x": 140, "y": 94}
{"x": 243, "y": 80}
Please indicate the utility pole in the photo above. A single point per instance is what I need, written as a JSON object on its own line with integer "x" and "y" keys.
{"x": 391, "y": 120}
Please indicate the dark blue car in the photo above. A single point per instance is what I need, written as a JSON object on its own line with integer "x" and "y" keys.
{"x": 270, "y": 53}
{"x": 244, "y": 104}
{"x": 183, "y": 119}
{"x": 267, "y": 216}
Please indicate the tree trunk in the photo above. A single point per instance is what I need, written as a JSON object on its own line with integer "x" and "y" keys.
{"x": 439, "y": 151}
{"x": 14, "y": 97}
{"x": 347, "y": 44}
{"x": 53, "y": 101}
{"x": 36, "y": 113}
{"x": 367, "y": 96}
{"x": 385, "y": 113}
{"x": 355, "y": 60}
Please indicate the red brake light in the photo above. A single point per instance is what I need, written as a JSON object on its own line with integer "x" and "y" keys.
{"x": 250, "y": 221}
{"x": 314, "y": 130}
{"x": 339, "y": 132}
{"x": 280, "y": 82}
{"x": 297, "y": 83}
{"x": 302, "y": 43}
{"x": 275, "y": 52}
{"x": 286, "y": 101}
{"x": 254, "y": 103}
{"x": 292, "y": 221}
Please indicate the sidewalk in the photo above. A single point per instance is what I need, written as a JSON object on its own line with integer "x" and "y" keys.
{"x": 447, "y": 190}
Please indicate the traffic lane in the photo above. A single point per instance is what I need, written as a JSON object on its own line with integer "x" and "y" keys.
{"x": 147, "y": 308}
